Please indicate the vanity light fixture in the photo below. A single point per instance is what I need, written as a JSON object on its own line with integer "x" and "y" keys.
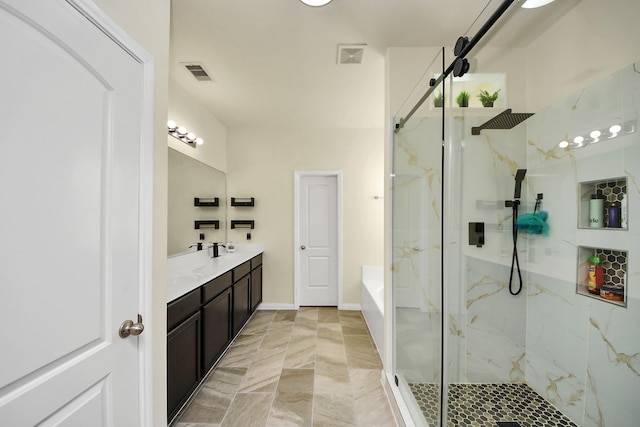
{"x": 598, "y": 135}
{"x": 181, "y": 133}
{"x": 315, "y": 3}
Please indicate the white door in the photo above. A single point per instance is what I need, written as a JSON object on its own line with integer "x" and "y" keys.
{"x": 318, "y": 240}
{"x": 70, "y": 151}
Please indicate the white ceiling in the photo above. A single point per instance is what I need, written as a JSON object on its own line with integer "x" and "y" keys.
{"x": 274, "y": 61}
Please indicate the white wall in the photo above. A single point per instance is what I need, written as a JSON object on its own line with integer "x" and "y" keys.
{"x": 187, "y": 112}
{"x": 147, "y": 22}
{"x": 593, "y": 40}
{"x": 261, "y": 163}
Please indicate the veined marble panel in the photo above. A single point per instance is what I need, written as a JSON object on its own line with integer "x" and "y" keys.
{"x": 417, "y": 347}
{"x": 417, "y": 203}
{"x": 613, "y": 370}
{"x": 582, "y": 354}
{"x": 495, "y": 325}
{"x": 557, "y": 343}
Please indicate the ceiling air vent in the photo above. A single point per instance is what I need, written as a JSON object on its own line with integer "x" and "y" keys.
{"x": 350, "y": 54}
{"x": 198, "y": 72}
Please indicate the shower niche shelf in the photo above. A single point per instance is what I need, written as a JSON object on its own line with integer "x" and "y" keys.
{"x": 612, "y": 190}
{"x": 614, "y": 263}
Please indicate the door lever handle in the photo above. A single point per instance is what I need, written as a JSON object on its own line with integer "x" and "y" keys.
{"x": 129, "y": 328}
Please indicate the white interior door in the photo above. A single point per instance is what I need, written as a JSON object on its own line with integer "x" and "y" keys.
{"x": 70, "y": 154}
{"x": 318, "y": 240}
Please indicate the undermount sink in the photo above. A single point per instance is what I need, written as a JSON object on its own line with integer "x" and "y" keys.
{"x": 183, "y": 279}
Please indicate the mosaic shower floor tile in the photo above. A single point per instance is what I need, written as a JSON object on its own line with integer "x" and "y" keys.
{"x": 483, "y": 405}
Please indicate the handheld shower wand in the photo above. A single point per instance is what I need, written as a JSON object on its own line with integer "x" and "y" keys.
{"x": 518, "y": 188}
{"x": 520, "y": 173}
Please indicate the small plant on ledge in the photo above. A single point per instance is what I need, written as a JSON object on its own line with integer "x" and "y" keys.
{"x": 487, "y": 98}
{"x": 438, "y": 100}
{"x": 463, "y": 99}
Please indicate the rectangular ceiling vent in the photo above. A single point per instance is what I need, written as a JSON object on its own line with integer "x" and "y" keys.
{"x": 350, "y": 54}
{"x": 198, "y": 72}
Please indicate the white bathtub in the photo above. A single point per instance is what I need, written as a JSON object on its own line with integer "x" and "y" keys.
{"x": 373, "y": 302}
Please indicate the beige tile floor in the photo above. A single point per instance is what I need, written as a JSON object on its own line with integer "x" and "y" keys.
{"x": 313, "y": 367}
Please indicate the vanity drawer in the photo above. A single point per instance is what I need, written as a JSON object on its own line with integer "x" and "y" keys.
{"x": 256, "y": 261}
{"x": 216, "y": 287}
{"x": 240, "y": 271}
{"x": 183, "y": 307}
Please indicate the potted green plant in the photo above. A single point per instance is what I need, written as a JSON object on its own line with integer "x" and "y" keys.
{"x": 463, "y": 99}
{"x": 438, "y": 100}
{"x": 487, "y": 98}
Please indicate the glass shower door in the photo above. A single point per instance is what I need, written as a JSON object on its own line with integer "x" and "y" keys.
{"x": 417, "y": 255}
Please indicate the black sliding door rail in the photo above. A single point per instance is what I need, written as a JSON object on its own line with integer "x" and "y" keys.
{"x": 465, "y": 51}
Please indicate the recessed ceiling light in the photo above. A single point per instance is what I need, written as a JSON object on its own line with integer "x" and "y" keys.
{"x": 315, "y": 3}
{"x": 532, "y": 4}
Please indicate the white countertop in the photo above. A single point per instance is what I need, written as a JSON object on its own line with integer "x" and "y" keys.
{"x": 188, "y": 271}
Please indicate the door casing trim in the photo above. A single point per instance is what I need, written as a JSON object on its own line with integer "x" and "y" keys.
{"x": 297, "y": 177}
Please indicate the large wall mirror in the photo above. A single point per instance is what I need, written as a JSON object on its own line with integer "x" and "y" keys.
{"x": 190, "y": 179}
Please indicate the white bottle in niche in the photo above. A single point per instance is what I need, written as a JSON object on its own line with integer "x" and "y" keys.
{"x": 623, "y": 211}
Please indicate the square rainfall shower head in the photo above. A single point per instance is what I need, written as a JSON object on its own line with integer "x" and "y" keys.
{"x": 504, "y": 120}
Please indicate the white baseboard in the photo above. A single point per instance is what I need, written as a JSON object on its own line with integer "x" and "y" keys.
{"x": 275, "y": 306}
{"x": 286, "y": 306}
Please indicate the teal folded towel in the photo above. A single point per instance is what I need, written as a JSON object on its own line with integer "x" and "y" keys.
{"x": 534, "y": 223}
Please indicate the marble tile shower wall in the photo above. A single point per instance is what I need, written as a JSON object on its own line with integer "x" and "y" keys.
{"x": 417, "y": 248}
{"x": 487, "y": 323}
{"x": 583, "y": 354}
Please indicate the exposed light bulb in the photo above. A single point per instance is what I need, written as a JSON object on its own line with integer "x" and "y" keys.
{"x": 191, "y": 137}
{"x": 315, "y": 3}
{"x": 199, "y": 141}
{"x": 563, "y": 144}
{"x": 171, "y": 125}
{"x": 615, "y": 128}
{"x": 532, "y": 4}
{"x": 182, "y": 130}
{"x": 578, "y": 140}
{"x": 595, "y": 134}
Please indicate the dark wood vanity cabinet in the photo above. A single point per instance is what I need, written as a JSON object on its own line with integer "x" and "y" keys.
{"x": 256, "y": 282}
{"x": 202, "y": 323}
{"x": 184, "y": 327}
{"x": 216, "y": 329}
{"x": 241, "y": 296}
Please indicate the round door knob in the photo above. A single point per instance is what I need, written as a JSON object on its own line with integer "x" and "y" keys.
{"x": 303, "y": 247}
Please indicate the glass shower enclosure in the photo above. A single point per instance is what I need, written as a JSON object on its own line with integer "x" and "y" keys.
{"x": 417, "y": 256}
{"x": 494, "y": 326}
